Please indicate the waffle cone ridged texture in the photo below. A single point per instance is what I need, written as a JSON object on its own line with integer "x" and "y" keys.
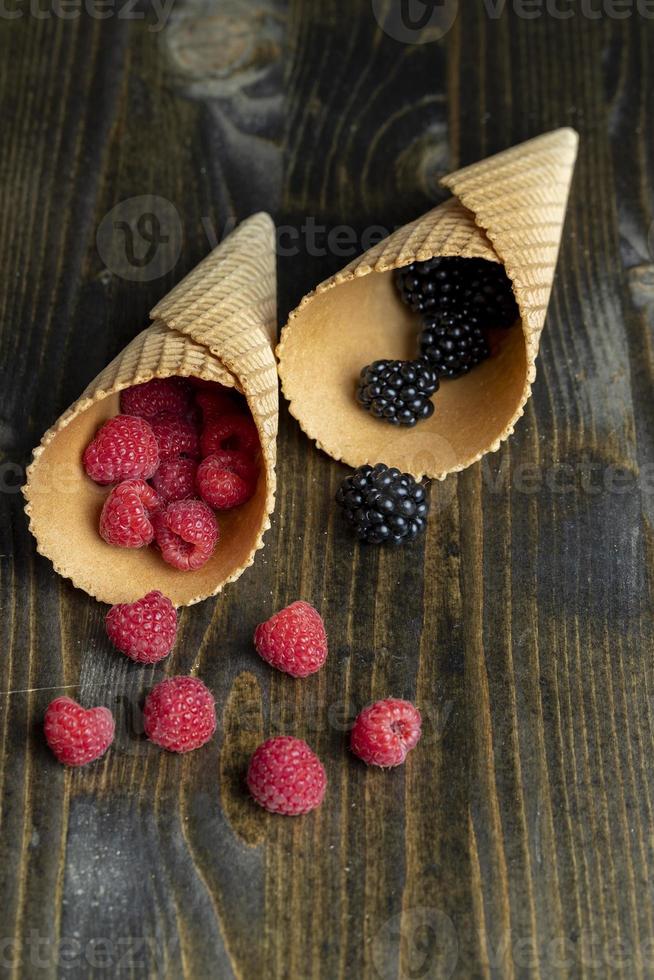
{"x": 218, "y": 324}
{"x": 509, "y": 208}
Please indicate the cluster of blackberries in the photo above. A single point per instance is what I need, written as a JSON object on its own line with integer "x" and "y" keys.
{"x": 383, "y": 505}
{"x": 459, "y": 300}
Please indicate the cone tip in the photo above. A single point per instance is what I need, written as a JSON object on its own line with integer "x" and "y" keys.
{"x": 563, "y": 141}
{"x": 260, "y": 217}
{"x": 565, "y": 135}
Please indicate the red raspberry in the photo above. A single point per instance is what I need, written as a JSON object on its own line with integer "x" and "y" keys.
{"x": 214, "y": 402}
{"x": 286, "y": 776}
{"x": 171, "y": 395}
{"x": 187, "y": 533}
{"x": 179, "y": 714}
{"x": 126, "y": 518}
{"x": 175, "y": 479}
{"x": 385, "y": 732}
{"x": 124, "y": 448}
{"x": 146, "y": 629}
{"x": 175, "y": 436}
{"x": 227, "y": 479}
{"x": 230, "y": 432}
{"x": 293, "y": 640}
{"x": 77, "y": 735}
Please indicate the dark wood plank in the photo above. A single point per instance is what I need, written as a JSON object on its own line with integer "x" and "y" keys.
{"x": 516, "y": 841}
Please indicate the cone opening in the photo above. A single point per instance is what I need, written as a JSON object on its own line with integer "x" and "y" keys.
{"x": 339, "y": 329}
{"x": 64, "y": 507}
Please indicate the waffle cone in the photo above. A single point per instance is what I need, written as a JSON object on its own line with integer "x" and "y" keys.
{"x": 217, "y": 324}
{"x": 509, "y": 208}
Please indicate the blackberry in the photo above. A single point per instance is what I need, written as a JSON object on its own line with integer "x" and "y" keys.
{"x": 398, "y": 391}
{"x": 418, "y": 285}
{"x": 489, "y": 295}
{"x": 473, "y": 288}
{"x": 383, "y": 505}
{"x": 452, "y": 344}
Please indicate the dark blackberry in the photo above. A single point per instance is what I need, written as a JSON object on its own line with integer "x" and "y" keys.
{"x": 383, "y": 505}
{"x": 452, "y": 344}
{"x": 398, "y": 391}
{"x": 431, "y": 285}
{"x": 489, "y": 295}
{"x": 470, "y": 287}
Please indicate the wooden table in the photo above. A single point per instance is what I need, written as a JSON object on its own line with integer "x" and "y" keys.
{"x": 517, "y": 840}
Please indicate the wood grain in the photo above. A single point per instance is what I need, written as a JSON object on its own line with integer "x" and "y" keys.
{"x": 517, "y": 839}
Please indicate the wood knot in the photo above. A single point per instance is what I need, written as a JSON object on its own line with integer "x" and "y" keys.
{"x": 231, "y": 47}
{"x": 641, "y": 285}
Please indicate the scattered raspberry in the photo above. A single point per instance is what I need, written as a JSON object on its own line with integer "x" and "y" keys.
{"x": 293, "y": 640}
{"x": 385, "y": 732}
{"x": 227, "y": 479}
{"x": 175, "y": 436}
{"x": 285, "y": 776}
{"x": 214, "y": 402}
{"x": 124, "y": 448}
{"x": 144, "y": 630}
{"x": 126, "y": 518}
{"x": 179, "y": 714}
{"x": 175, "y": 479}
{"x": 77, "y": 735}
{"x": 230, "y": 432}
{"x": 187, "y": 533}
{"x": 170, "y": 395}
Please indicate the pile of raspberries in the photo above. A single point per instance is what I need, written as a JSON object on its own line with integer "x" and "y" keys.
{"x": 284, "y": 775}
{"x": 179, "y": 450}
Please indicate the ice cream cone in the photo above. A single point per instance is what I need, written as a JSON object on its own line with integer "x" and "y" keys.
{"x": 217, "y": 324}
{"x": 509, "y": 208}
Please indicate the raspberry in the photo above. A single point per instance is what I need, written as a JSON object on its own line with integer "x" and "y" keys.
{"x": 230, "y": 432}
{"x": 175, "y": 436}
{"x": 175, "y": 479}
{"x": 187, "y": 533}
{"x": 214, "y": 402}
{"x": 77, "y": 735}
{"x": 124, "y": 448}
{"x": 227, "y": 479}
{"x": 285, "y": 776}
{"x": 179, "y": 714}
{"x": 171, "y": 395}
{"x": 126, "y": 518}
{"x": 385, "y": 731}
{"x": 293, "y": 640}
{"x": 144, "y": 630}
